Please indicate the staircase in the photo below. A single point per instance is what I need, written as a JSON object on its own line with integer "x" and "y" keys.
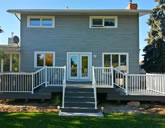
{"x": 79, "y": 99}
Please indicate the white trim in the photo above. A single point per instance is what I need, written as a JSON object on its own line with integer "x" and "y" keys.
{"x": 103, "y": 18}
{"x": 41, "y": 17}
{"x": 116, "y": 53}
{"x": 43, "y": 52}
{"x": 90, "y": 65}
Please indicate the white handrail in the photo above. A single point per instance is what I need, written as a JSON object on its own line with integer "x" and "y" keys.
{"x": 64, "y": 86}
{"x": 94, "y": 86}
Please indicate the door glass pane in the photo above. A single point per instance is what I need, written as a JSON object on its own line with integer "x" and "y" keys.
{"x": 6, "y": 63}
{"x": 49, "y": 59}
{"x": 115, "y": 61}
{"x": 40, "y": 59}
{"x": 107, "y": 60}
{"x": 15, "y": 62}
{"x": 74, "y": 62}
{"x": 47, "y": 22}
{"x": 123, "y": 63}
{"x": 84, "y": 69}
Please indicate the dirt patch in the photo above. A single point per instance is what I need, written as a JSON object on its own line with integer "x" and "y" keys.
{"x": 21, "y": 106}
{"x": 145, "y": 108}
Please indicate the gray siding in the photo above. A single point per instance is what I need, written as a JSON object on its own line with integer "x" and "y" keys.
{"x": 72, "y": 34}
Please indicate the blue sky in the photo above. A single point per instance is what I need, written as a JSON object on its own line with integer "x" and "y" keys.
{"x": 9, "y": 22}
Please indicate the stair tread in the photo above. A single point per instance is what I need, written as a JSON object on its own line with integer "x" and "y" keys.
{"x": 79, "y": 102}
{"x": 79, "y": 97}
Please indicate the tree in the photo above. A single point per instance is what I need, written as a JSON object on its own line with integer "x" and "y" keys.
{"x": 154, "y": 57}
{"x": 1, "y": 30}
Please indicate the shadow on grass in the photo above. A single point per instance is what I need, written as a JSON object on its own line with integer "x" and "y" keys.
{"x": 52, "y": 120}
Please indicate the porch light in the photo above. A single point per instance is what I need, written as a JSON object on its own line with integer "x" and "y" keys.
{"x": 58, "y": 107}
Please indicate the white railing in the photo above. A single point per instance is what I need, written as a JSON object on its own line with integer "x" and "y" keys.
{"x": 146, "y": 84}
{"x": 16, "y": 82}
{"x": 94, "y": 86}
{"x": 55, "y": 76}
{"x": 38, "y": 78}
{"x": 121, "y": 79}
{"x": 64, "y": 86}
{"x": 103, "y": 76}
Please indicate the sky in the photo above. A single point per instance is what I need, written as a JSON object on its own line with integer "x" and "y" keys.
{"x": 9, "y": 23}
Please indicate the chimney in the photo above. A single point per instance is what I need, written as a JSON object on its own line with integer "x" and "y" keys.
{"x": 132, "y": 6}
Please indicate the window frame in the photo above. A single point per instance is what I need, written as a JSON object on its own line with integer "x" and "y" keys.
{"x": 43, "y": 52}
{"x": 103, "y": 18}
{"x": 41, "y": 18}
{"x": 119, "y": 54}
{"x": 11, "y": 63}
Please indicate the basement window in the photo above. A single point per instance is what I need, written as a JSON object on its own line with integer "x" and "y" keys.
{"x": 103, "y": 22}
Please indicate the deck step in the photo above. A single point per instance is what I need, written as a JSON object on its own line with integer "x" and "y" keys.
{"x": 79, "y": 94}
{"x": 79, "y": 104}
{"x": 79, "y": 109}
{"x": 79, "y": 99}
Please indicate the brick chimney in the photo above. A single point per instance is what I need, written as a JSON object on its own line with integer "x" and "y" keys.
{"x": 132, "y": 6}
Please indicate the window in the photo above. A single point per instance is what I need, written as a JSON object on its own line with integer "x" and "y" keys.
{"x": 103, "y": 22}
{"x": 41, "y": 21}
{"x": 117, "y": 60}
{"x": 44, "y": 59}
{"x": 10, "y": 63}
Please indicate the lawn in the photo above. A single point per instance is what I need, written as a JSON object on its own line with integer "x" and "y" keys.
{"x": 52, "y": 120}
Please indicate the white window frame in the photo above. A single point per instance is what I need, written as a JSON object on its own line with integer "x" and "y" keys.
{"x": 11, "y": 63}
{"x": 103, "y": 18}
{"x": 43, "y": 52}
{"x": 117, "y": 53}
{"x": 41, "y": 17}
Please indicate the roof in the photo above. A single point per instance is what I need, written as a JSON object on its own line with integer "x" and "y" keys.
{"x": 80, "y": 11}
{"x": 10, "y": 48}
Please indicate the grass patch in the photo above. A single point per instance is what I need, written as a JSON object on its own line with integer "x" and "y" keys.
{"x": 52, "y": 120}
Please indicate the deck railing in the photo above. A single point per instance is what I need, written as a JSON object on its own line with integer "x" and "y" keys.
{"x": 103, "y": 76}
{"x": 55, "y": 76}
{"x": 28, "y": 82}
{"x": 16, "y": 82}
{"x": 64, "y": 86}
{"x": 121, "y": 79}
{"x": 146, "y": 84}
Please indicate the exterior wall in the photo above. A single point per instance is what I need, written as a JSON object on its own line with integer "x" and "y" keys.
{"x": 72, "y": 34}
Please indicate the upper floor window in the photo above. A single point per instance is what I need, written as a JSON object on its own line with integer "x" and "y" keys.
{"x": 44, "y": 59}
{"x": 103, "y": 22}
{"x": 41, "y": 21}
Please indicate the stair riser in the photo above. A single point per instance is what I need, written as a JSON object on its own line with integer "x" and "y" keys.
{"x": 79, "y": 105}
{"x": 80, "y": 99}
{"x": 79, "y": 90}
{"x": 80, "y": 110}
{"x": 79, "y": 94}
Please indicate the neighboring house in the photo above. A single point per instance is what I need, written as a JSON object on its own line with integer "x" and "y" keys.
{"x": 98, "y": 46}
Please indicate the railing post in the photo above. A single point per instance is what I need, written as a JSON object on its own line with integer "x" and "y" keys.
{"x": 126, "y": 83}
{"x": 32, "y": 83}
{"x": 46, "y": 81}
{"x": 112, "y": 77}
{"x": 64, "y": 85}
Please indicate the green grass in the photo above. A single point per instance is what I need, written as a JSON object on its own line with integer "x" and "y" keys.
{"x": 52, "y": 120}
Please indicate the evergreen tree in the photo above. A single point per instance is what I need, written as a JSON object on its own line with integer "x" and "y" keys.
{"x": 1, "y": 30}
{"x": 154, "y": 57}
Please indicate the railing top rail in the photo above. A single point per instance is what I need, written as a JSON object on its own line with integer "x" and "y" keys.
{"x": 39, "y": 70}
{"x": 137, "y": 75}
{"x": 119, "y": 71}
{"x": 57, "y": 67}
{"x": 12, "y": 73}
{"x": 103, "y": 67}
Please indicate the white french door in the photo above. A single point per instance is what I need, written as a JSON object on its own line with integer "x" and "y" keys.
{"x": 79, "y": 66}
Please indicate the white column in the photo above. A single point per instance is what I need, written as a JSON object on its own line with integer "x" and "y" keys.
{"x": 10, "y": 62}
{"x": 1, "y": 65}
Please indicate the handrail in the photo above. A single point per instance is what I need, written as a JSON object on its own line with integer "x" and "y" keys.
{"x": 94, "y": 86}
{"x": 64, "y": 86}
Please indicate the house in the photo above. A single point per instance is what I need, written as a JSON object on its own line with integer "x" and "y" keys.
{"x": 80, "y": 53}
